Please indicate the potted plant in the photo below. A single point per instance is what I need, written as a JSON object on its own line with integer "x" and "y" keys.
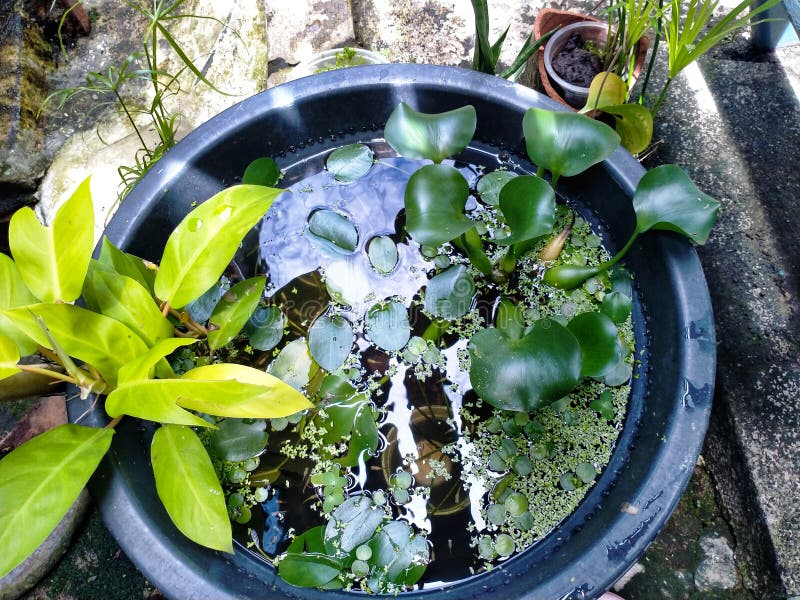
{"x": 459, "y": 255}
{"x": 336, "y": 58}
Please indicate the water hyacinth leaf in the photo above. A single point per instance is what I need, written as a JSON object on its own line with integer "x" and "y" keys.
{"x": 599, "y": 341}
{"x": 634, "y": 124}
{"x": 39, "y": 481}
{"x": 53, "y": 260}
{"x": 239, "y": 439}
{"x": 9, "y": 356}
{"x": 125, "y": 264}
{"x": 619, "y": 375}
{"x": 528, "y": 204}
{"x": 125, "y": 300}
{"x": 202, "y": 308}
{"x": 188, "y": 487}
{"x": 449, "y": 294}
{"x": 617, "y": 306}
{"x": 435, "y": 198}
{"x": 262, "y": 171}
{"x": 606, "y": 89}
{"x": 353, "y": 418}
{"x": 333, "y": 230}
{"x": 294, "y": 364}
{"x": 353, "y": 523}
{"x": 310, "y": 569}
{"x": 567, "y": 277}
{"x": 401, "y": 555}
{"x": 566, "y": 143}
{"x": 528, "y": 373}
{"x": 234, "y": 309}
{"x": 382, "y": 253}
{"x": 387, "y": 325}
{"x": 264, "y": 329}
{"x": 142, "y": 367}
{"x": 350, "y": 162}
{"x": 621, "y": 281}
{"x": 667, "y": 199}
{"x": 330, "y": 340}
{"x": 433, "y": 136}
{"x": 101, "y": 341}
{"x": 203, "y": 244}
{"x": 160, "y": 405}
{"x": 490, "y": 185}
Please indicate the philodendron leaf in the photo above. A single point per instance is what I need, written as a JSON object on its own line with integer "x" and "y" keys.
{"x": 599, "y": 341}
{"x": 350, "y": 162}
{"x": 155, "y": 400}
{"x": 382, "y": 253}
{"x": 330, "y": 340}
{"x": 125, "y": 264}
{"x": 490, "y": 185}
{"x": 667, "y": 199}
{"x": 449, "y": 294}
{"x": 239, "y": 439}
{"x": 53, "y": 260}
{"x": 143, "y": 366}
{"x": 353, "y": 523}
{"x": 100, "y": 341}
{"x": 14, "y": 293}
{"x": 634, "y": 124}
{"x": 262, "y": 171}
{"x": 387, "y": 325}
{"x": 400, "y": 553}
{"x": 310, "y": 569}
{"x": 39, "y": 481}
{"x": 201, "y": 246}
{"x": 433, "y": 136}
{"x": 528, "y": 204}
{"x": 567, "y": 277}
{"x": 125, "y": 300}
{"x": 435, "y": 198}
{"x": 234, "y": 309}
{"x": 566, "y": 143}
{"x": 606, "y": 89}
{"x": 527, "y": 373}
{"x": 294, "y": 364}
{"x": 333, "y": 230}
{"x": 264, "y": 329}
{"x": 9, "y": 356}
{"x": 188, "y": 487}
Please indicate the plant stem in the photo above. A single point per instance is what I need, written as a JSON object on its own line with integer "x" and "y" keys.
{"x": 508, "y": 261}
{"x": 114, "y": 422}
{"x": 661, "y": 97}
{"x": 435, "y": 330}
{"x": 653, "y": 54}
{"x": 132, "y": 122}
{"x": 46, "y": 373}
{"x": 618, "y": 256}
{"x": 470, "y": 242}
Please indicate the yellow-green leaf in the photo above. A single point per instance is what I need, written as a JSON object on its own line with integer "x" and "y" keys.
{"x": 203, "y": 244}
{"x": 153, "y": 400}
{"x": 14, "y": 293}
{"x": 234, "y": 309}
{"x": 53, "y": 260}
{"x": 125, "y": 264}
{"x": 39, "y": 481}
{"x": 9, "y": 356}
{"x": 606, "y": 89}
{"x": 125, "y": 300}
{"x": 142, "y": 367}
{"x": 188, "y": 487}
{"x": 100, "y": 341}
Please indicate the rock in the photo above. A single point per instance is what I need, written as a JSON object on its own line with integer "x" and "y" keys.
{"x": 717, "y": 568}
{"x": 24, "y": 62}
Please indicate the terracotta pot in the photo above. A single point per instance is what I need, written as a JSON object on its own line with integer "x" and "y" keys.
{"x": 548, "y": 19}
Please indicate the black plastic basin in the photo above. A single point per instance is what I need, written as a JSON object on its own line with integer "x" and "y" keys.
{"x": 669, "y": 405}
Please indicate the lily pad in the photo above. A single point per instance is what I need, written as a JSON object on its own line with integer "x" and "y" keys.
{"x": 435, "y": 198}
{"x": 262, "y": 171}
{"x": 350, "y": 162}
{"x": 294, "y": 364}
{"x": 527, "y": 373}
{"x": 387, "y": 325}
{"x": 330, "y": 340}
{"x": 528, "y": 204}
{"x": 239, "y": 439}
{"x": 586, "y": 472}
{"x": 352, "y": 523}
{"x": 433, "y": 136}
{"x": 401, "y": 555}
{"x": 265, "y": 328}
{"x": 449, "y": 294}
{"x": 490, "y": 184}
{"x": 599, "y": 341}
{"x": 333, "y": 231}
{"x": 382, "y": 253}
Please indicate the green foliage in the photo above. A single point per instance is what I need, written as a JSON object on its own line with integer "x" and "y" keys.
{"x": 234, "y": 310}
{"x": 433, "y": 136}
{"x": 333, "y": 231}
{"x": 39, "y": 481}
{"x": 264, "y": 329}
{"x": 382, "y": 253}
{"x": 330, "y": 339}
{"x": 9, "y": 356}
{"x": 188, "y": 487}
{"x": 350, "y": 162}
{"x": 262, "y": 171}
{"x": 599, "y": 341}
{"x": 529, "y": 207}
{"x": 239, "y": 439}
{"x": 387, "y": 325}
{"x": 434, "y": 199}
{"x": 490, "y": 185}
{"x": 450, "y": 294}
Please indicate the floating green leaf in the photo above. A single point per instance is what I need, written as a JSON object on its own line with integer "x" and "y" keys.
{"x": 265, "y": 328}
{"x": 262, "y": 171}
{"x": 617, "y": 306}
{"x": 382, "y": 253}
{"x": 510, "y": 320}
{"x": 604, "y": 405}
{"x": 634, "y": 124}
{"x": 667, "y": 199}
{"x": 599, "y": 341}
{"x": 188, "y": 487}
{"x": 387, "y": 325}
{"x": 125, "y": 300}
{"x": 433, "y": 136}
{"x": 586, "y": 472}
{"x": 528, "y": 204}
{"x": 202, "y": 308}
{"x": 350, "y": 162}
{"x": 294, "y": 364}
{"x": 234, "y": 309}
{"x": 201, "y": 246}
{"x": 39, "y": 481}
{"x": 353, "y": 523}
{"x": 566, "y": 143}
{"x": 435, "y": 198}
{"x": 490, "y": 185}
{"x": 9, "y": 356}
{"x": 349, "y": 415}
{"x": 311, "y": 569}
{"x": 239, "y": 439}
{"x": 333, "y": 230}
{"x": 399, "y": 554}
{"x": 53, "y": 260}
{"x": 330, "y": 340}
{"x": 527, "y": 373}
{"x": 449, "y": 294}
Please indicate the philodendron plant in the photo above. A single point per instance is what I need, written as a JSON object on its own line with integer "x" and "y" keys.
{"x": 135, "y": 315}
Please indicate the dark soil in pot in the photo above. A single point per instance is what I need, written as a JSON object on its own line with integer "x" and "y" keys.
{"x": 576, "y": 64}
